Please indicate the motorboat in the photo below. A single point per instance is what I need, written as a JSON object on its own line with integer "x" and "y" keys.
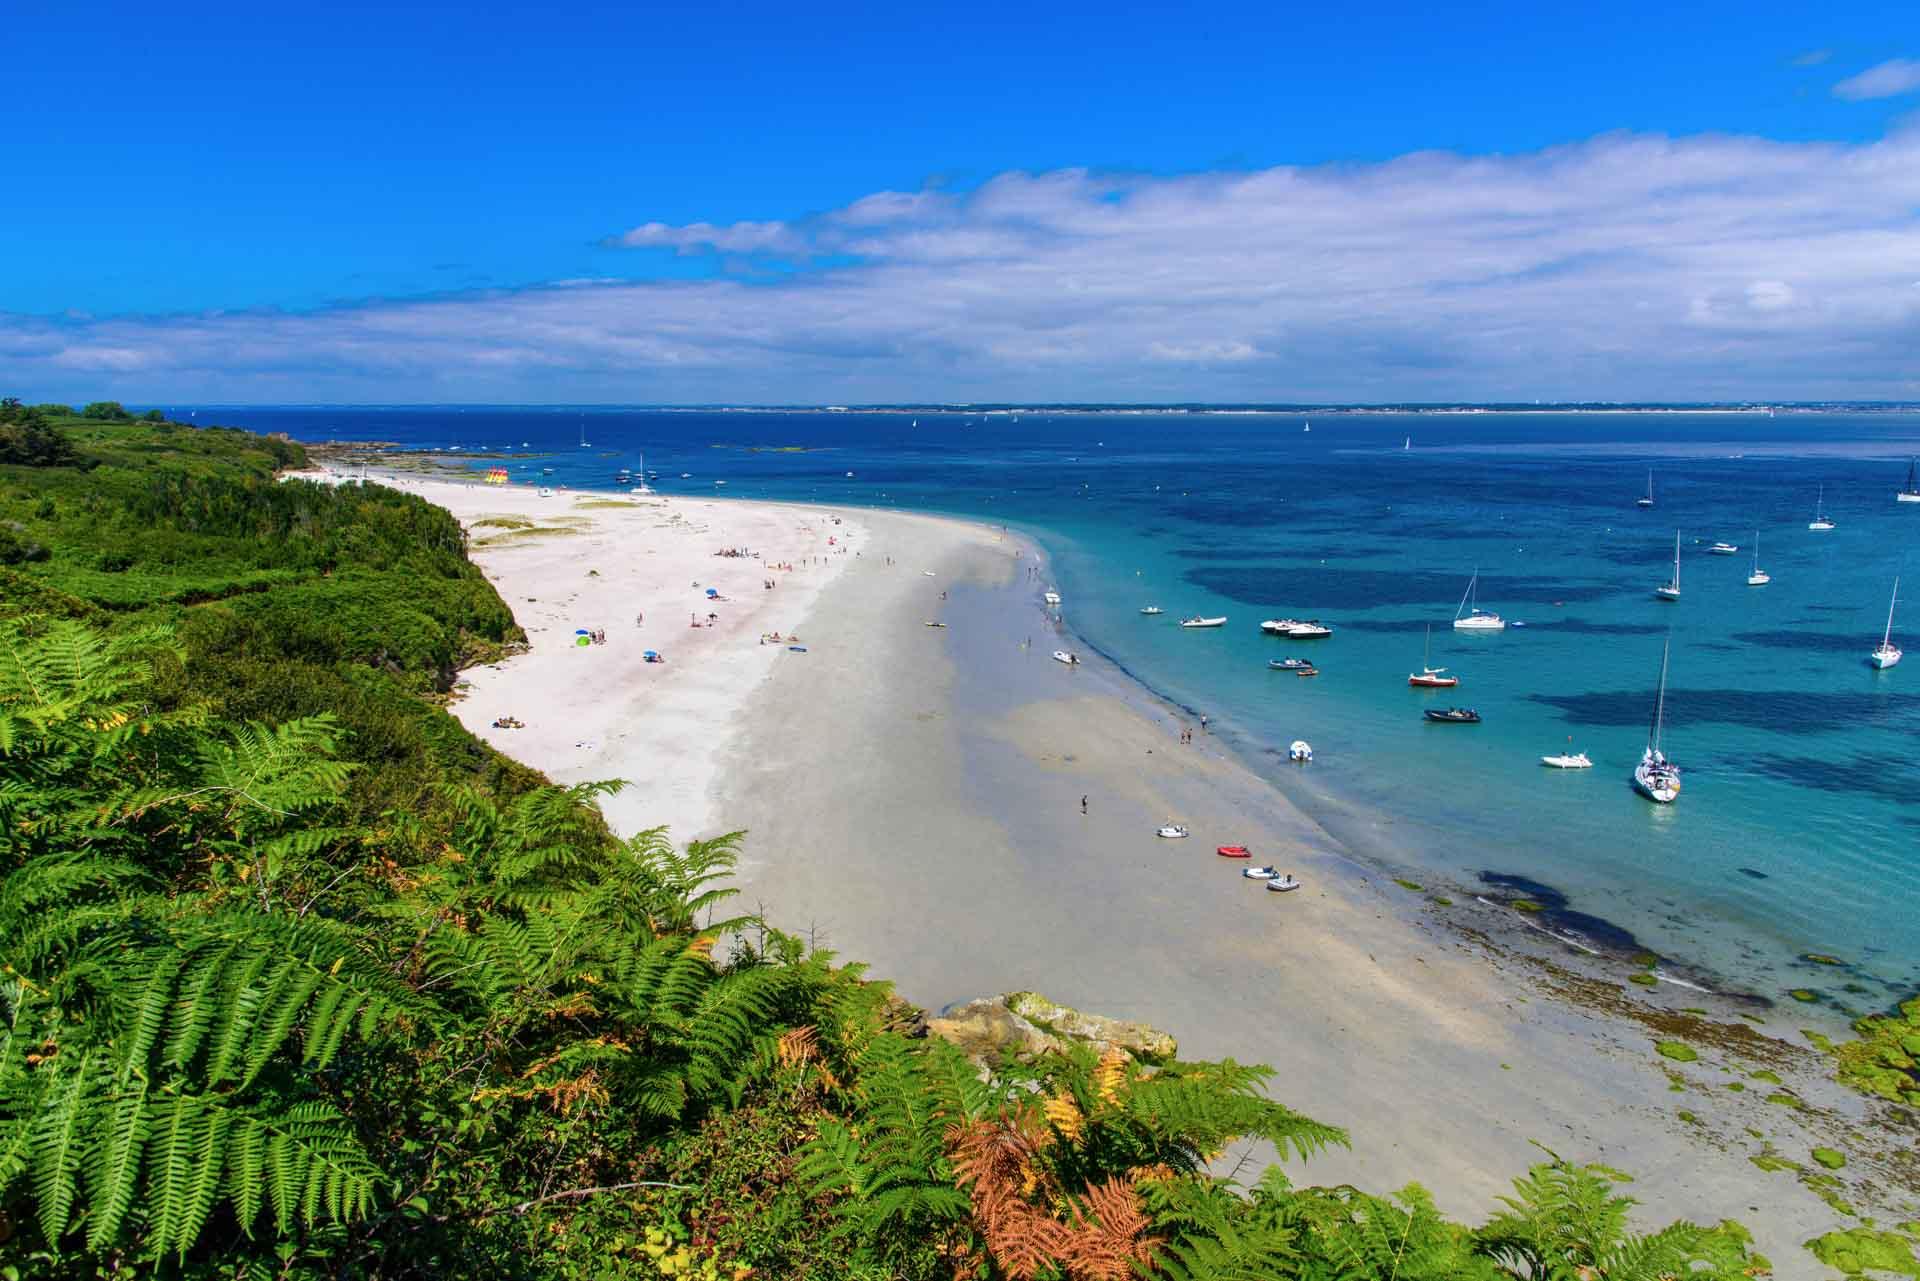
{"x": 1301, "y": 752}
{"x": 1469, "y": 617}
{"x": 1308, "y": 670}
{"x": 720, "y": 484}
{"x": 1821, "y": 522}
{"x": 1172, "y": 832}
{"x": 1911, "y": 492}
{"x": 1220, "y": 621}
{"x": 1724, "y": 549}
{"x": 1429, "y": 676}
{"x": 1259, "y": 873}
{"x": 1151, "y": 609}
{"x": 1569, "y": 759}
{"x": 1452, "y": 715}
{"x": 686, "y": 475}
{"x": 1670, "y": 590}
{"x": 1052, "y": 598}
{"x": 1889, "y": 653}
{"x": 1290, "y": 664}
{"x": 1297, "y": 629}
{"x": 1656, "y": 777}
{"x": 1647, "y": 500}
{"x": 1062, "y": 656}
{"x": 1232, "y": 851}
{"x": 935, "y": 624}
{"x": 1281, "y": 884}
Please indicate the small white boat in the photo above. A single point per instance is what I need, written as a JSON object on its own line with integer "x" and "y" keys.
{"x": 1759, "y": 576}
{"x": 1469, "y": 617}
{"x": 1221, "y": 621}
{"x": 1889, "y": 653}
{"x": 1306, "y": 427}
{"x": 686, "y": 475}
{"x": 1911, "y": 493}
{"x": 1052, "y": 598}
{"x": 849, "y": 475}
{"x": 1151, "y": 609}
{"x": 1725, "y": 549}
{"x": 1820, "y": 522}
{"x": 1568, "y": 760}
{"x": 1296, "y": 629}
{"x": 1172, "y": 832}
{"x": 1671, "y": 590}
{"x": 1281, "y": 884}
{"x": 1656, "y": 777}
{"x": 1646, "y": 501}
{"x": 1062, "y": 656}
{"x": 1259, "y": 873}
{"x": 545, "y": 492}
{"x": 1300, "y": 752}
{"x": 721, "y": 483}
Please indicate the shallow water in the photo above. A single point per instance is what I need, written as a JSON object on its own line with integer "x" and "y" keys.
{"x": 1797, "y": 830}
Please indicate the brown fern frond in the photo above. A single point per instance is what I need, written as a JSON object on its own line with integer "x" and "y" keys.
{"x": 1108, "y": 1234}
{"x": 797, "y": 1046}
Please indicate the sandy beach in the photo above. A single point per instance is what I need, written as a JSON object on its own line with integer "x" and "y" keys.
{"x": 912, "y": 798}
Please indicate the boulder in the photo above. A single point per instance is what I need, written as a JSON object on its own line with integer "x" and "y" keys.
{"x": 1026, "y": 1025}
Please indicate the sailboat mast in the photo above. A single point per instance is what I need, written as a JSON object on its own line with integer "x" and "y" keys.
{"x": 1886, "y": 637}
{"x": 1660, "y": 699}
{"x": 1676, "y": 558}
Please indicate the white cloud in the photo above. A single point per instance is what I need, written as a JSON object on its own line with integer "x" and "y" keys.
{"x": 1889, "y": 79}
{"x": 1625, "y": 266}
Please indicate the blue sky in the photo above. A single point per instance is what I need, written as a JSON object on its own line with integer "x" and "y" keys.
{"x": 353, "y": 167}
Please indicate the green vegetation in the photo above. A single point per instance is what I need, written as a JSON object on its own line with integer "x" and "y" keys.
{"x": 1829, "y": 1158}
{"x": 1859, "y": 1250}
{"x": 1885, "y": 1060}
{"x": 1405, "y": 884}
{"x": 299, "y": 980}
{"x": 1678, "y": 1051}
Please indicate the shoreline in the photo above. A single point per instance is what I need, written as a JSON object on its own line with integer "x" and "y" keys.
{"x": 916, "y": 788}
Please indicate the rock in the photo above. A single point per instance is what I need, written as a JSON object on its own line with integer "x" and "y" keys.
{"x": 1100, "y": 1033}
{"x": 1025, "y": 1025}
{"x": 987, "y": 1031}
{"x": 900, "y": 1015}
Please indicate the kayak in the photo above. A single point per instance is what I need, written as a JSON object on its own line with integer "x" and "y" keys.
{"x": 1232, "y": 851}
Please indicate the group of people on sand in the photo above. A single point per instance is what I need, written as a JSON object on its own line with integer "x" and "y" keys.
{"x": 1186, "y": 731}
{"x": 508, "y": 722}
{"x": 736, "y": 553}
{"x": 598, "y": 635}
{"x": 775, "y": 638}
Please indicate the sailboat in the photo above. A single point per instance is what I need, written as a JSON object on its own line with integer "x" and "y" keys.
{"x": 583, "y": 434}
{"x": 1820, "y": 521}
{"x": 1470, "y": 617}
{"x": 1759, "y": 577}
{"x": 1648, "y": 500}
{"x": 1911, "y": 493}
{"x": 1656, "y": 777}
{"x": 1408, "y": 445}
{"x": 1671, "y": 590}
{"x": 642, "y": 487}
{"x": 1889, "y": 653}
{"x": 1307, "y": 427}
{"x": 1431, "y": 677}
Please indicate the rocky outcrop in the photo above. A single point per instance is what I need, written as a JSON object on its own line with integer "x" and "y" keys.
{"x": 1025, "y": 1025}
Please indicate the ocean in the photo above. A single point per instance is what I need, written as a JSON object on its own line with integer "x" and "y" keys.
{"x": 1798, "y": 829}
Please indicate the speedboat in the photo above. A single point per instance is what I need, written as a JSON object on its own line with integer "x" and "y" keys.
{"x": 1725, "y": 549}
{"x": 1452, "y": 715}
{"x": 1052, "y": 598}
{"x": 1259, "y": 873}
{"x": 1062, "y": 656}
{"x": 1469, "y": 617}
{"x": 1151, "y": 609}
{"x": 1301, "y": 752}
{"x": 1888, "y": 653}
{"x": 1231, "y": 851}
{"x": 1172, "y": 832}
{"x": 1577, "y": 760}
{"x": 1290, "y": 664}
{"x": 1281, "y": 884}
{"x": 1295, "y": 629}
{"x": 1220, "y": 621}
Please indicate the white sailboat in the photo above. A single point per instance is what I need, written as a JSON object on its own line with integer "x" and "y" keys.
{"x": 1671, "y": 590}
{"x": 1429, "y": 676}
{"x": 1820, "y": 520}
{"x": 641, "y": 486}
{"x": 1648, "y": 500}
{"x": 1656, "y": 777}
{"x": 1911, "y": 493}
{"x": 1759, "y": 576}
{"x": 1469, "y": 617}
{"x": 1889, "y": 653}
{"x": 583, "y": 434}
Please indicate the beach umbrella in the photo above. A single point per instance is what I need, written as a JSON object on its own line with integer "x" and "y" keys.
{"x": 581, "y": 631}
{"x": 712, "y": 592}
{"x": 651, "y": 653}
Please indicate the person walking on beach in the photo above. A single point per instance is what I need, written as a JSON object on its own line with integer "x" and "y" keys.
{"x": 1083, "y": 805}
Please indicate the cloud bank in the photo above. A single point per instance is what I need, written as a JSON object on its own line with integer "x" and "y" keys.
{"x": 1627, "y": 266}
{"x": 1889, "y": 79}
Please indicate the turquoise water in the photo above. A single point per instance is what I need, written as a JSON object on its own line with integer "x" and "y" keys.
{"x": 1798, "y": 828}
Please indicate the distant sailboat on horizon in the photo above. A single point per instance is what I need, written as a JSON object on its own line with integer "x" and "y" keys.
{"x": 1759, "y": 577}
{"x": 1821, "y": 521}
{"x": 1889, "y": 653}
{"x": 1911, "y": 494}
{"x": 1671, "y": 591}
{"x": 1648, "y": 500}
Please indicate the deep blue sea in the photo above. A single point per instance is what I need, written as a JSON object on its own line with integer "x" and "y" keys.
{"x": 1799, "y": 826}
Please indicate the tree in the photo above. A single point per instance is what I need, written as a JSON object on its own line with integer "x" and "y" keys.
{"x": 107, "y": 411}
{"x": 27, "y": 438}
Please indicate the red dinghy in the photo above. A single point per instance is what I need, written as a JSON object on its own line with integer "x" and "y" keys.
{"x": 1232, "y": 851}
